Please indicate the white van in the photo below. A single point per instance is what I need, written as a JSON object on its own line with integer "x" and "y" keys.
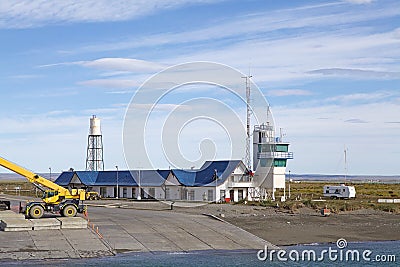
{"x": 339, "y": 191}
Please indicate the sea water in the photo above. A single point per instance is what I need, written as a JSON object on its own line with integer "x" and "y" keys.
{"x": 388, "y": 252}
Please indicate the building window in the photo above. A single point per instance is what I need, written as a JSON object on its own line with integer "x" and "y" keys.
{"x": 124, "y": 192}
{"x": 191, "y": 194}
{"x": 222, "y": 195}
{"x": 133, "y": 192}
{"x": 184, "y": 193}
{"x": 263, "y": 162}
{"x": 280, "y": 163}
{"x": 210, "y": 195}
{"x": 167, "y": 193}
{"x": 240, "y": 194}
{"x": 264, "y": 148}
{"x": 103, "y": 191}
{"x": 282, "y": 148}
{"x": 152, "y": 192}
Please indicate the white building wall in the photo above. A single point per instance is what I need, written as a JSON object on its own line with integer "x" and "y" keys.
{"x": 174, "y": 192}
{"x": 279, "y": 177}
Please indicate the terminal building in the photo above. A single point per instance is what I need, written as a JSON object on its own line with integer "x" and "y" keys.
{"x": 219, "y": 180}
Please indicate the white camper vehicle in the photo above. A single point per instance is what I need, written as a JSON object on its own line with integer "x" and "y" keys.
{"x": 339, "y": 191}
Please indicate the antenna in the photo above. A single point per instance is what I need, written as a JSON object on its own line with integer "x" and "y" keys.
{"x": 248, "y": 91}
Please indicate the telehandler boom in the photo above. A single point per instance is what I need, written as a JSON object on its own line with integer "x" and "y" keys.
{"x": 55, "y": 199}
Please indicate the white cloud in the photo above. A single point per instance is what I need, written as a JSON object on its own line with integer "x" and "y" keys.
{"x": 359, "y": 1}
{"x": 110, "y": 83}
{"x": 288, "y": 92}
{"x": 117, "y": 65}
{"x": 369, "y": 74}
{"x": 124, "y": 64}
{"x": 158, "y": 106}
{"x": 28, "y": 14}
{"x": 240, "y": 28}
{"x": 362, "y": 97}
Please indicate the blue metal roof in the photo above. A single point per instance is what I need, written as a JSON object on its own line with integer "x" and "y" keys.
{"x": 87, "y": 177}
{"x": 150, "y": 177}
{"x": 110, "y": 178}
{"x": 185, "y": 177}
{"x": 64, "y": 179}
{"x": 205, "y": 176}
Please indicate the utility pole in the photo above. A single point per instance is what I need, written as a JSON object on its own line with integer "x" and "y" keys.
{"x": 139, "y": 197}
{"x": 216, "y": 178}
{"x": 289, "y": 183}
{"x": 117, "y": 183}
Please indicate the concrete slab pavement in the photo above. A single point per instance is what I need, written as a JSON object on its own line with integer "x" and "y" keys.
{"x": 148, "y": 230}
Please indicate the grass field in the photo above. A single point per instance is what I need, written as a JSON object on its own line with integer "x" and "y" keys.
{"x": 302, "y": 194}
{"x": 18, "y": 187}
{"x": 308, "y": 194}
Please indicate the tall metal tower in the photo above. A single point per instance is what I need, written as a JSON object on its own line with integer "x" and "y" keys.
{"x": 248, "y": 112}
{"x": 94, "y": 157}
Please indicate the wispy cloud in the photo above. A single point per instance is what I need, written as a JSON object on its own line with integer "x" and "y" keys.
{"x": 288, "y": 92}
{"x": 359, "y": 1}
{"x": 370, "y": 74}
{"x": 110, "y": 83}
{"x": 362, "y": 97}
{"x": 161, "y": 107}
{"x": 29, "y": 14}
{"x": 124, "y": 64}
{"x": 355, "y": 121}
{"x": 242, "y": 28}
{"x": 25, "y": 76}
{"x": 117, "y": 65}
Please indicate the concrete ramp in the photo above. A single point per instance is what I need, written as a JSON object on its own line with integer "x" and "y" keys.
{"x": 45, "y": 224}
{"x": 72, "y": 222}
{"x": 11, "y": 222}
{"x": 15, "y": 224}
{"x": 149, "y": 231}
{"x": 4, "y": 214}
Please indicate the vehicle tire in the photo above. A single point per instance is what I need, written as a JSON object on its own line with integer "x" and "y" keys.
{"x": 36, "y": 212}
{"x": 69, "y": 211}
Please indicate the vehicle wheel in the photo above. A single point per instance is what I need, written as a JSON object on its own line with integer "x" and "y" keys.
{"x": 36, "y": 212}
{"x": 69, "y": 211}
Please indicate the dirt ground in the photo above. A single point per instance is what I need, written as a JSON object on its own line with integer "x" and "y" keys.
{"x": 307, "y": 225}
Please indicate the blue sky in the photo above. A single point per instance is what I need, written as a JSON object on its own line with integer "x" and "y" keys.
{"x": 329, "y": 69}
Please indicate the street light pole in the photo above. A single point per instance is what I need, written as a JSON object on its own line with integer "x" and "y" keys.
{"x": 50, "y": 173}
{"x": 289, "y": 183}
{"x": 216, "y": 178}
{"x": 139, "y": 197}
{"x": 117, "y": 183}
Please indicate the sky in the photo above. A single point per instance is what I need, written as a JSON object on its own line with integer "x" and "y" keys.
{"x": 329, "y": 69}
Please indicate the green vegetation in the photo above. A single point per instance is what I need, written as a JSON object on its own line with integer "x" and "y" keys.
{"x": 19, "y": 188}
{"x": 309, "y": 194}
{"x": 302, "y": 194}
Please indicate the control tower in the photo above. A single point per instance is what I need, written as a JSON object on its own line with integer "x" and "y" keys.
{"x": 270, "y": 155}
{"x": 94, "y": 156}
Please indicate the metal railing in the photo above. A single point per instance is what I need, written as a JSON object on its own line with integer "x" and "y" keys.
{"x": 279, "y": 155}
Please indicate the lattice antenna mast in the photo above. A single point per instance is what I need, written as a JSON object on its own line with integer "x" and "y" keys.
{"x": 248, "y": 122}
{"x": 94, "y": 157}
